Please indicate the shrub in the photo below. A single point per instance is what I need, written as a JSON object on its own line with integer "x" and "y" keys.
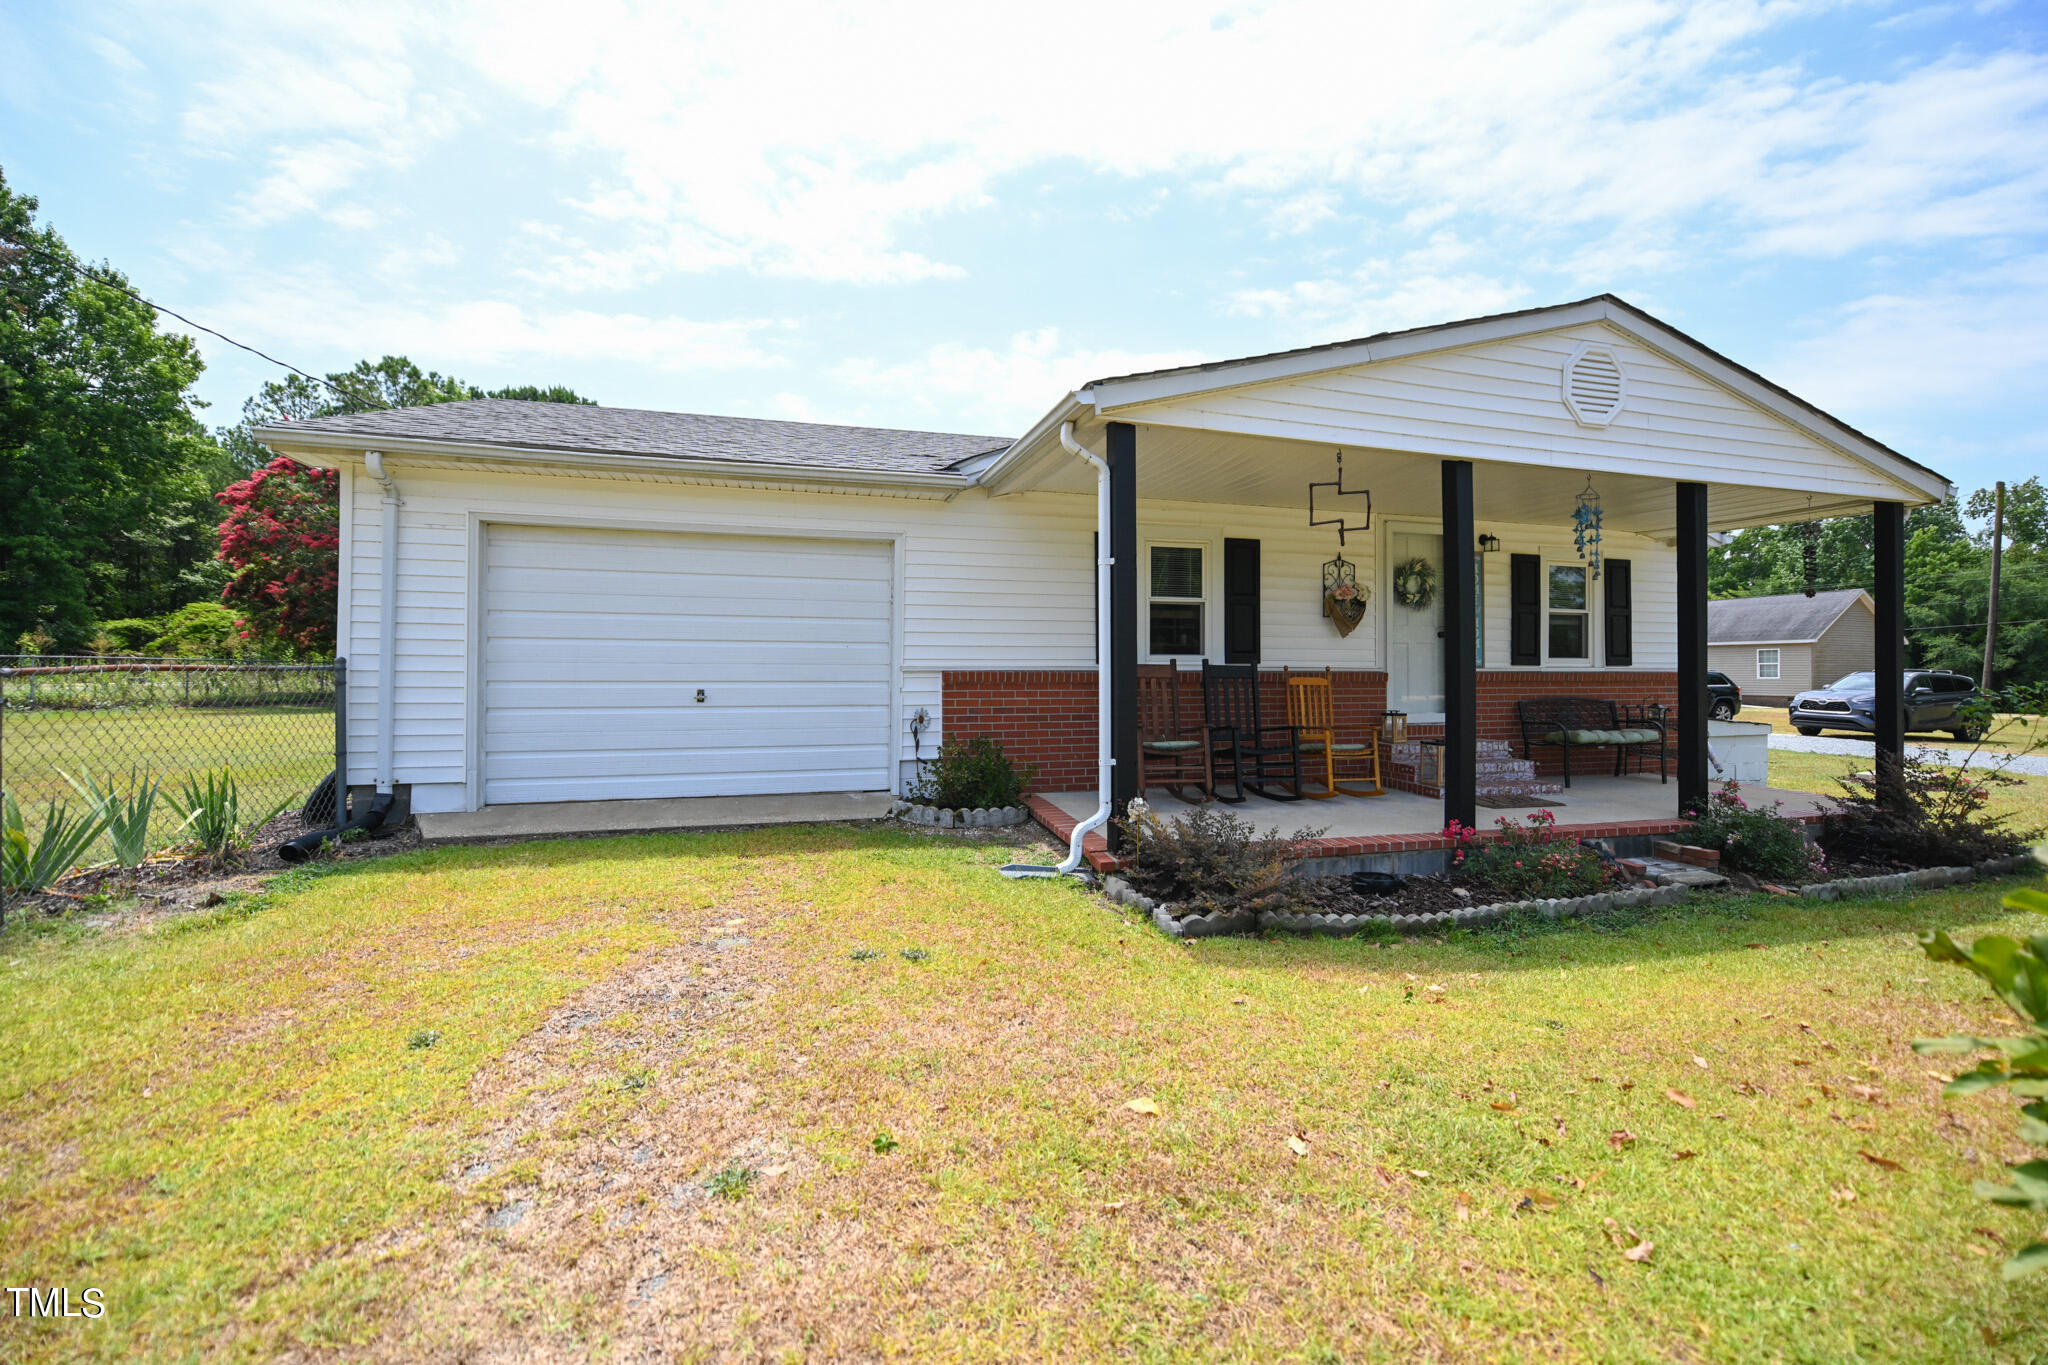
{"x": 1531, "y": 861}
{"x": 1211, "y": 859}
{"x": 199, "y": 630}
{"x": 127, "y": 635}
{"x": 211, "y": 804}
{"x": 1942, "y": 820}
{"x": 1751, "y": 839}
{"x": 970, "y": 774}
{"x": 2018, "y": 972}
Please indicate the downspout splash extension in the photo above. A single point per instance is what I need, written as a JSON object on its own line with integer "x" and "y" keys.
{"x": 1105, "y": 760}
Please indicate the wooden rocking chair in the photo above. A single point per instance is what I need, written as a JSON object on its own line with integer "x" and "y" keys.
{"x": 1234, "y": 733}
{"x": 1168, "y": 756}
{"x": 1312, "y": 713}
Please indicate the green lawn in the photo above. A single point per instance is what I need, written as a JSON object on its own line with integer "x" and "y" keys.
{"x": 2026, "y": 800}
{"x": 220, "y": 1121}
{"x": 275, "y": 752}
{"x": 2009, "y": 733}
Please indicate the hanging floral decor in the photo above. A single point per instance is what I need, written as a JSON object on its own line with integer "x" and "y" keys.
{"x": 1344, "y": 601}
{"x": 1809, "y": 554}
{"x": 1415, "y": 584}
{"x": 1586, "y": 527}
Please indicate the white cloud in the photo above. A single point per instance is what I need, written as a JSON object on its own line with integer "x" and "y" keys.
{"x": 314, "y": 313}
{"x": 1967, "y": 341}
{"x": 1418, "y": 287}
{"x": 819, "y": 143}
{"x": 1003, "y": 389}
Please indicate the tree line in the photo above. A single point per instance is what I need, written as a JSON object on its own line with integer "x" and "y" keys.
{"x": 126, "y": 525}
{"x": 1948, "y": 577}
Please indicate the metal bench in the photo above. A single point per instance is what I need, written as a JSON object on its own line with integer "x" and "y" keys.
{"x": 1569, "y": 723}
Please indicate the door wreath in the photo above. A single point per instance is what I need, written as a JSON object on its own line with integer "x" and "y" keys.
{"x": 1415, "y": 584}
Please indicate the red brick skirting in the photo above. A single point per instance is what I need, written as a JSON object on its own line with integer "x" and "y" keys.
{"x": 1046, "y": 718}
{"x": 1095, "y": 848}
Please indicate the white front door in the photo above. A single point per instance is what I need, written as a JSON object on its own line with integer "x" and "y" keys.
{"x": 1415, "y": 647}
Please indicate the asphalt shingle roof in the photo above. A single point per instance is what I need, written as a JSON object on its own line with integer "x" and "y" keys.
{"x": 1788, "y": 617}
{"x": 661, "y": 435}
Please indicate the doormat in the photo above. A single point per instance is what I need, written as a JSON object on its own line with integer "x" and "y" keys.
{"x": 1513, "y": 802}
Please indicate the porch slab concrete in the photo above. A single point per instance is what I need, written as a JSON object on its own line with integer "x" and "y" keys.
{"x": 1402, "y": 831}
{"x": 555, "y": 819}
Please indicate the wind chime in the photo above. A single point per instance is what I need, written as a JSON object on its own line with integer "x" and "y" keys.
{"x": 1344, "y": 597}
{"x": 1586, "y": 518}
{"x": 1809, "y": 553}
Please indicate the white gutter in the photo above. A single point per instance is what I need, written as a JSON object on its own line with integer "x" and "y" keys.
{"x": 1105, "y": 758}
{"x": 387, "y": 630}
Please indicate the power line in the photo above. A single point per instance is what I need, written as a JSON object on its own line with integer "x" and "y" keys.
{"x": 87, "y": 272}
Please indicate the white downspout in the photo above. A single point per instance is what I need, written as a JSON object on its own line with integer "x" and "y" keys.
{"x": 387, "y": 630}
{"x": 1105, "y": 758}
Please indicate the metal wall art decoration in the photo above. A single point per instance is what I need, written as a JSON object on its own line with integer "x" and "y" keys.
{"x": 1344, "y": 600}
{"x": 1342, "y": 492}
{"x": 1586, "y": 519}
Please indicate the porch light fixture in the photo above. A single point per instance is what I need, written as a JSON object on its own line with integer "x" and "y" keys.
{"x": 1489, "y": 544}
{"x": 1586, "y": 517}
{"x": 1342, "y": 492}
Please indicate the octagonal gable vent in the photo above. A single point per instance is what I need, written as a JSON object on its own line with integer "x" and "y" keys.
{"x": 1595, "y": 385}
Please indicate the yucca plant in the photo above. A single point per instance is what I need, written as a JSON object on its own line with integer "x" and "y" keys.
{"x": 31, "y": 862}
{"x": 126, "y": 812}
{"x": 211, "y": 804}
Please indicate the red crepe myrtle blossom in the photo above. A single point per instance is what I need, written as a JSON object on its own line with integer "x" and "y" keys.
{"x": 282, "y": 535}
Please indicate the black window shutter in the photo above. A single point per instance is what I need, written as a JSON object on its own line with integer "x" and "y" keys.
{"x": 1525, "y": 609}
{"x": 1241, "y": 601}
{"x": 1620, "y": 576}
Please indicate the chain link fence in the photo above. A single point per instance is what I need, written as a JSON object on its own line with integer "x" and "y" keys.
{"x": 270, "y": 726}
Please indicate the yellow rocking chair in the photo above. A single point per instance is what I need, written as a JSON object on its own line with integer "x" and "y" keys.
{"x": 1313, "y": 716}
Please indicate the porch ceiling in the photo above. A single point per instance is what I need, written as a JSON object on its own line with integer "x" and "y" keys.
{"x": 1187, "y": 465}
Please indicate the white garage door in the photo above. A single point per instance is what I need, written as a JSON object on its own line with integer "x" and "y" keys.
{"x": 598, "y": 643}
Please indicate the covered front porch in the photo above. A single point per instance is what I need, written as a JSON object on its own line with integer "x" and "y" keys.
{"x": 1476, "y": 447}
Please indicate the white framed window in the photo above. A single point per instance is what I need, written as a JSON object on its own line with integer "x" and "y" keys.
{"x": 1767, "y": 663}
{"x": 1568, "y": 614}
{"x": 1177, "y": 600}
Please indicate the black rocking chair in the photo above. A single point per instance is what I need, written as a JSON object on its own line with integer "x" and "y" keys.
{"x": 1238, "y": 740}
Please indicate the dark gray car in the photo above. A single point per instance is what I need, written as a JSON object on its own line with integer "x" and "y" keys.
{"x": 1934, "y": 701}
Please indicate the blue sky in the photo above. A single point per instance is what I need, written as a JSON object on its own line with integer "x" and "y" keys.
{"x": 946, "y": 216}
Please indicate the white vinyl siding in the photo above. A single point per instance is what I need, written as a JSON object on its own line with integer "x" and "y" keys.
{"x": 630, "y": 664}
{"x": 984, "y": 583}
{"x": 1500, "y": 400}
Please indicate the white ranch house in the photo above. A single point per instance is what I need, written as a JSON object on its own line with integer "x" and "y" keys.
{"x": 547, "y": 604}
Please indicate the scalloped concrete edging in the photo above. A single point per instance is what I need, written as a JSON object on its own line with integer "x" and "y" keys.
{"x": 1892, "y": 883}
{"x": 1211, "y": 925}
{"x": 946, "y": 817}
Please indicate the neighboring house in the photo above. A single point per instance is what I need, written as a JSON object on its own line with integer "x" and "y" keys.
{"x": 1777, "y": 647}
{"x": 597, "y": 603}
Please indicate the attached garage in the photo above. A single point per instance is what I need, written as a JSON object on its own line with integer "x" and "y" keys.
{"x": 631, "y": 664}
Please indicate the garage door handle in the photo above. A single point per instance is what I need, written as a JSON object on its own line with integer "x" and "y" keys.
{"x": 700, "y": 694}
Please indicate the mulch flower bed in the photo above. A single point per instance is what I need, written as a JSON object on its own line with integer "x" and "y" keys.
{"x": 1422, "y": 895}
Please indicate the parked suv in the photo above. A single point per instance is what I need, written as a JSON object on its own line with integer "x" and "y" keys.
{"x": 1934, "y": 701}
{"x": 1724, "y": 698}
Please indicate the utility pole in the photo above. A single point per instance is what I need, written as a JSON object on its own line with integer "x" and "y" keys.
{"x": 1997, "y": 554}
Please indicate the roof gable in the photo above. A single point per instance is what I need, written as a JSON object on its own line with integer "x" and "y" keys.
{"x": 1790, "y": 618}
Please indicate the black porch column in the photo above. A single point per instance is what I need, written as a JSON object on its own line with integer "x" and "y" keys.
{"x": 1888, "y": 559}
{"x": 1692, "y": 646}
{"x": 1123, "y": 622}
{"x": 1461, "y": 682}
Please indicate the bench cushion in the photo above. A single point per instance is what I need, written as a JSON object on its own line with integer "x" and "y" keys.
{"x": 1172, "y": 746}
{"x": 1601, "y": 737}
{"x": 1315, "y": 746}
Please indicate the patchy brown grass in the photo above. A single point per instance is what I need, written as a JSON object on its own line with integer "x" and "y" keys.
{"x": 1485, "y": 1128}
